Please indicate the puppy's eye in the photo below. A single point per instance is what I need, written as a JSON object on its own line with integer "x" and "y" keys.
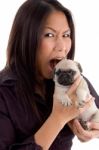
{"x": 71, "y": 72}
{"x": 58, "y": 72}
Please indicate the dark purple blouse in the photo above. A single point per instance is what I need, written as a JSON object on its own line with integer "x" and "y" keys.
{"x": 18, "y": 122}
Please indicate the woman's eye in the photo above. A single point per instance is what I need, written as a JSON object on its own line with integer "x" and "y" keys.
{"x": 66, "y": 35}
{"x": 49, "y": 35}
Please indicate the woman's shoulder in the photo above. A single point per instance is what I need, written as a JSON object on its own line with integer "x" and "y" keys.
{"x": 7, "y": 88}
{"x": 12, "y": 109}
{"x": 7, "y": 77}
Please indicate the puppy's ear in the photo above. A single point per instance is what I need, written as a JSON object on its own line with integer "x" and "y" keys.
{"x": 79, "y": 67}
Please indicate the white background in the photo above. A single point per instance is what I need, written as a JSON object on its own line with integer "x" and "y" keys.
{"x": 86, "y": 18}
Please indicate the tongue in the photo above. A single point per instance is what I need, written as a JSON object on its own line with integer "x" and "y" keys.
{"x": 53, "y": 63}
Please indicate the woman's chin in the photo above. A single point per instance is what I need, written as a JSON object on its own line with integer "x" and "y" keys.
{"x": 49, "y": 75}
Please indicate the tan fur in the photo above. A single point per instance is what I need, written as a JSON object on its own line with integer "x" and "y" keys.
{"x": 82, "y": 92}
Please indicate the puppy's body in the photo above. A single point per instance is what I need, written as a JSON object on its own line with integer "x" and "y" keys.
{"x": 66, "y": 71}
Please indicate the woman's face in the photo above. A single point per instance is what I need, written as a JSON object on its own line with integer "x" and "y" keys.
{"x": 55, "y": 43}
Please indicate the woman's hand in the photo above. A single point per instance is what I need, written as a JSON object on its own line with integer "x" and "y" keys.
{"x": 84, "y": 135}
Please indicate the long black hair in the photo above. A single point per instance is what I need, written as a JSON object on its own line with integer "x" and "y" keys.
{"x": 24, "y": 40}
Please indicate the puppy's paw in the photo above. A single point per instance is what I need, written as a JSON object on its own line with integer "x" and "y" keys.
{"x": 65, "y": 100}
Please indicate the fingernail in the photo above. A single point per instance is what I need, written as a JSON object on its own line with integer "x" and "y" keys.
{"x": 88, "y": 124}
{"x": 93, "y": 98}
{"x": 90, "y": 96}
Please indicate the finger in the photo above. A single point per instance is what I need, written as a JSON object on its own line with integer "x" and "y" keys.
{"x": 93, "y": 125}
{"x": 82, "y": 134}
{"x": 70, "y": 124}
{"x": 79, "y": 135}
{"x": 90, "y": 98}
{"x": 83, "y": 139}
{"x": 86, "y": 106}
{"x": 74, "y": 86}
{"x": 78, "y": 126}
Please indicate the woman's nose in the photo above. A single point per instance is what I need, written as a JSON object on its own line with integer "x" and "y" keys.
{"x": 60, "y": 46}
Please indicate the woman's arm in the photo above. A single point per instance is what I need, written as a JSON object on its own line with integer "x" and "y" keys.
{"x": 43, "y": 137}
{"x": 59, "y": 117}
{"x": 53, "y": 125}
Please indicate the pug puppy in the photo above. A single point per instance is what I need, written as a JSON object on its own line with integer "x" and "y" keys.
{"x": 65, "y": 73}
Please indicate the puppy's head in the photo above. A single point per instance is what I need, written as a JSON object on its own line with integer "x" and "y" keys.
{"x": 66, "y": 71}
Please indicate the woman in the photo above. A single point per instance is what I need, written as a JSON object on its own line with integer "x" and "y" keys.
{"x": 30, "y": 118}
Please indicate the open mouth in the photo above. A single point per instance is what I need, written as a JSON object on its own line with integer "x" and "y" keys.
{"x": 53, "y": 62}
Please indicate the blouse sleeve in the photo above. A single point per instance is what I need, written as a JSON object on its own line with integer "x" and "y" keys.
{"x": 93, "y": 92}
{"x": 7, "y": 132}
{"x": 28, "y": 144}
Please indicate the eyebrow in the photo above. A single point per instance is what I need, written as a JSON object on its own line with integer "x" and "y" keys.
{"x": 68, "y": 30}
